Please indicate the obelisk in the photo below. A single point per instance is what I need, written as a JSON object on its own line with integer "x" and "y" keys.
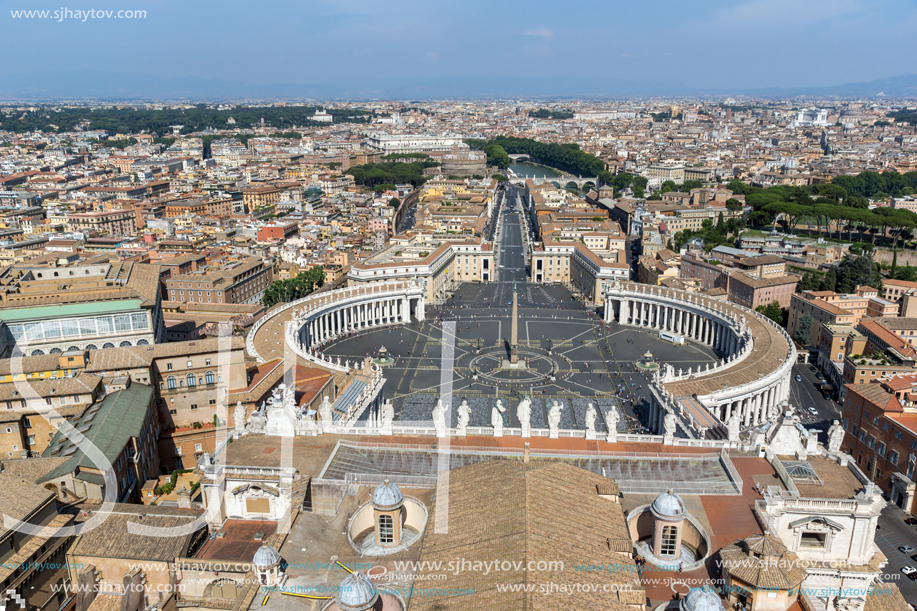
{"x": 514, "y": 336}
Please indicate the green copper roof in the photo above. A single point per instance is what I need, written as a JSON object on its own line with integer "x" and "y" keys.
{"x": 67, "y": 310}
{"x": 111, "y": 421}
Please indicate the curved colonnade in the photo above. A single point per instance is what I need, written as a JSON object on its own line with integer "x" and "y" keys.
{"x": 326, "y": 317}
{"x": 753, "y": 377}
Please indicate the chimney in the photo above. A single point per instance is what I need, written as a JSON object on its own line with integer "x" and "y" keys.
{"x": 525, "y": 453}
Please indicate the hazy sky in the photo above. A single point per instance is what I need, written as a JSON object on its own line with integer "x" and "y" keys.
{"x": 703, "y": 43}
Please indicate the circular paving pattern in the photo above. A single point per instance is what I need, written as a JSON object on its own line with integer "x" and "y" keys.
{"x": 491, "y": 366}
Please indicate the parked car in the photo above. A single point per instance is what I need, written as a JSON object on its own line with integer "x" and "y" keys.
{"x": 819, "y": 376}
{"x": 914, "y": 557}
{"x": 799, "y": 378}
{"x": 813, "y": 411}
{"x": 910, "y": 521}
{"x": 906, "y": 549}
{"x": 908, "y": 570}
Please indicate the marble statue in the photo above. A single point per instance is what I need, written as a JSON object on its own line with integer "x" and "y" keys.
{"x": 773, "y": 412}
{"x": 733, "y": 426}
{"x": 239, "y": 417}
{"x": 554, "y": 420}
{"x": 496, "y": 418}
{"x": 668, "y": 424}
{"x": 325, "y": 413}
{"x": 835, "y": 436}
{"x": 464, "y": 415}
{"x": 439, "y": 418}
{"x": 280, "y": 413}
{"x": 590, "y": 421}
{"x": 524, "y": 414}
{"x": 387, "y": 413}
{"x": 611, "y": 419}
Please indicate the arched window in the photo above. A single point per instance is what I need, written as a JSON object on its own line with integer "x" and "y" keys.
{"x": 69, "y": 348}
{"x": 55, "y": 351}
{"x": 108, "y": 345}
{"x": 386, "y": 529}
{"x": 170, "y": 382}
{"x": 124, "y": 344}
{"x": 192, "y": 381}
{"x": 38, "y": 352}
{"x": 669, "y": 540}
{"x": 209, "y": 377}
{"x": 142, "y": 342}
{"x": 91, "y": 347}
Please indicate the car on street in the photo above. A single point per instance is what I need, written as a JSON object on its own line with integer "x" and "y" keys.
{"x": 813, "y": 411}
{"x": 906, "y": 549}
{"x": 799, "y": 378}
{"x": 819, "y": 376}
{"x": 910, "y": 520}
{"x": 908, "y": 570}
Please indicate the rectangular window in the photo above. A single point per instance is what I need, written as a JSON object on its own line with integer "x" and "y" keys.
{"x": 880, "y": 449}
{"x": 893, "y": 457}
{"x": 87, "y": 326}
{"x": 104, "y": 324}
{"x": 872, "y": 442}
{"x": 812, "y": 540}
{"x": 139, "y": 321}
{"x": 51, "y": 328}
{"x": 122, "y": 323}
{"x": 69, "y": 328}
{"x": 669, "y": 540}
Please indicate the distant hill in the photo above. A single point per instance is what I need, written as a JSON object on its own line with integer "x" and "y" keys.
{"x": 105, "y": 86}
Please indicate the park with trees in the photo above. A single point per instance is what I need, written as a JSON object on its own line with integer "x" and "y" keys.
{"x": 291, "y": 289}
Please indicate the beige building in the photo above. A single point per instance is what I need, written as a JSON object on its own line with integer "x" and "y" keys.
{"x": 242, "y": 282}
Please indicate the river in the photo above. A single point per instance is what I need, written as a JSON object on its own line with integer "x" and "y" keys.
{"x": 530, "y": 170}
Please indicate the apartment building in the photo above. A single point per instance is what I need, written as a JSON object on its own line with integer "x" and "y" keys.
{"x": 260, "y": 197}
{"x": 114, "y": 223}
{"x": 186, "y": 375}
{"x": 753, "y": 291}
{"x": 880, "y": 420}
{"x": 241, "y": 282}
{"x": 828, "y": 307}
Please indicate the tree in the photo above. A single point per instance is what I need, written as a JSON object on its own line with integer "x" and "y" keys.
{"x": 394, "y": 202}
{"x": 638, "y": 184}
{"x": 804, "y": 329}
{"x": 906, "y": 273}
{"x": 720, "y": 224}
{"x": 855, "y": 271}
{"x": 829, "y": 283}
{"x": 772, "y": 311}
{"x": 497, "y": 155}
{"x": 283, "y": 291}
{"x": 668, "y": 186}
{"x": 733, "y": 205}
{"x": 499, "y": 177}
{"x": 809, "y": 282}
{"x": 894, "y": 263}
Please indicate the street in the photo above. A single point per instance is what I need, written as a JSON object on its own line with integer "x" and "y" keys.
{"x": 893, "y": 533}
{"x": 805, "y": 394}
